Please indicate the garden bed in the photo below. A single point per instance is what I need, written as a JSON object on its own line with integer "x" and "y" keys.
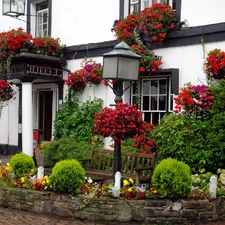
{"x": 113, "y": 209}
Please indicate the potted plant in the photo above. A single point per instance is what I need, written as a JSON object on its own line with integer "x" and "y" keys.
{"x": 40, "y": 154}
{"x": 214, "y": 65}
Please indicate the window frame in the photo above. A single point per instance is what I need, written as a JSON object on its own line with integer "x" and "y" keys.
{"x": 140, "y": 4}
{"x": 40, "y": 17}
{"x": 32, "y": 16}
{"x": 172, "y": 81}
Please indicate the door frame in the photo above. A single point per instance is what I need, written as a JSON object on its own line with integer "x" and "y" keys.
{"x": 37, "y": 88}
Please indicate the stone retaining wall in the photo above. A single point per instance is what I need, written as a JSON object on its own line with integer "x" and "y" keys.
{"x": 113, "y": 210}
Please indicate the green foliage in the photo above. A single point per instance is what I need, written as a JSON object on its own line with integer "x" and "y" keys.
{"x": 67, "y": 176}
{"x": 21, "y": 164}
{"x": 172, "y": 178}
{"x": 76, "y": 120}
{"x": 67, "y": 148}
{"x": 197, "y": 141}
{"x": 127, "y": 146}
{"x": 183, "y": 138}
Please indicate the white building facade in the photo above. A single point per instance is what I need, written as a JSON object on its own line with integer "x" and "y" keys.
{"x": 85, "y": 28}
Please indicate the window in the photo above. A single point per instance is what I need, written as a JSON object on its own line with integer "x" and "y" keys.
{"x": 42, "y": 19}
{"x": 137, "y": 5}
{"x": 134, "y": 6}
{"x": 156, "y": 98}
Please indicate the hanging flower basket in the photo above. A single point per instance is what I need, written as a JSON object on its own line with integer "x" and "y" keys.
{"x": 125, "y": 121}
{"x": 6, "y": 94}
{"x": 92, "y": 71}
{"x": 75, "y": 81}
{"x": 214, "y": 65}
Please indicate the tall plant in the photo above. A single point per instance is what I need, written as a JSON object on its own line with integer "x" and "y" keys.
{"x": 76, "y": 120}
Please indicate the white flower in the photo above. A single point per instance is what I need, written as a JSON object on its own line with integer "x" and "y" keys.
{"x": 115, "y": 192}
{"x": 89, "y": 180}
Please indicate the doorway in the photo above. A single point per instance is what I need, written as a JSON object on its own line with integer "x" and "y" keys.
{"x": 45, "y": 115}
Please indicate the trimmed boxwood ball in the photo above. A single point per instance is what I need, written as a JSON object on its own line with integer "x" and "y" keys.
{"x": 67, "y": 176}
{"x": 21, "y": 164}
{"x": 172, "y": 178}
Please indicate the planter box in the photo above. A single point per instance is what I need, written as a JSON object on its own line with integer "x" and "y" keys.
{"x": 41, "y": 161}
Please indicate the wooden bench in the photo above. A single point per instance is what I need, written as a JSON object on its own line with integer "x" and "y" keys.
{"x": 133, "y": 165}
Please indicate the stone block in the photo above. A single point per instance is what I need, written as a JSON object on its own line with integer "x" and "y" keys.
{"x": 62, "y": 212}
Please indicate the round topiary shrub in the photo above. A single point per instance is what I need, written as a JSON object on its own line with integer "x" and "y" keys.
{"x": 172, "y": 178}
{"x": 67, "y": 176}
{"x": 21, "y": 164}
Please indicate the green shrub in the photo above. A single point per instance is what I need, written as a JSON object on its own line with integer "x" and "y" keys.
{"x": 67, "y": 176}
{"x": 21, "y": 164}
{"x": 184, "y": 138}
{"x": 67, "y": 148}
{"x": 76, "y": 120}
{"x": 172, "y": 178}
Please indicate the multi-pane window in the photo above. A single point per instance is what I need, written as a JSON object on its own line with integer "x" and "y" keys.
{"x": 42, "y": 20}
{"x": 134, "y": 6}
{"x": 137, "y": 5}
{"x": 156, "y": 98}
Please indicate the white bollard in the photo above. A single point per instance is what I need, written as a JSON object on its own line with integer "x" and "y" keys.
{"x": 117, "y": 180}
{"x": 213, "y": 186}
{"x": 40, "y": 174}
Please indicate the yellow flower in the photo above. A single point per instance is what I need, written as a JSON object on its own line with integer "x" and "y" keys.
{"x": 129, "y": 189}
{"x": 7, "y": 164}
{"x": 155, "y": 191}
{"x": 22, "y": 179}
{"x": 43, "y": 183}
{"x": 131, "y": 180}
{"x": 7, "y": 169}
{"x": 32, "y": 170}
{"x": 125, "y": 183}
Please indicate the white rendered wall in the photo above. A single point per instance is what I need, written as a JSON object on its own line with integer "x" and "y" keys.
{"x": 86, "y": 21}
{"x": 9, "y": 122}
{"x": 203, "y": 12}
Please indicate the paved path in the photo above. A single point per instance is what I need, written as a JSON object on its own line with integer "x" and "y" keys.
{"x": 15, "y": 217}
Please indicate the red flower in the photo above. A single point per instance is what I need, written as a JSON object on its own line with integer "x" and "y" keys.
{"x": 214, "y": 65}
{"x": 193, "y": 99}
{"x": 127, "y": 122}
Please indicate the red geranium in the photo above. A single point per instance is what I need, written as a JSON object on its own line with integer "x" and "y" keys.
{"x": 75, "y": 81}
{"x": 214, "y": 65}
{"x": 92, "y": 71}
{"x": 193, "y": 99}
{"x": 6, "y": 91}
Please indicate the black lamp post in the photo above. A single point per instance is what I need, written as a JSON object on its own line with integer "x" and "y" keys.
{"x": 120, "y": 64}
{"x": 13, "y": 8}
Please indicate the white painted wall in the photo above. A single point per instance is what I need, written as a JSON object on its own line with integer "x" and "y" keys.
{"x": 202, "y": 12}
{"x": 9, "y": 122}
{"x": 189, "y": 60}
{"x": 86, "y": 21}
{"x": 8, "y": 23}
